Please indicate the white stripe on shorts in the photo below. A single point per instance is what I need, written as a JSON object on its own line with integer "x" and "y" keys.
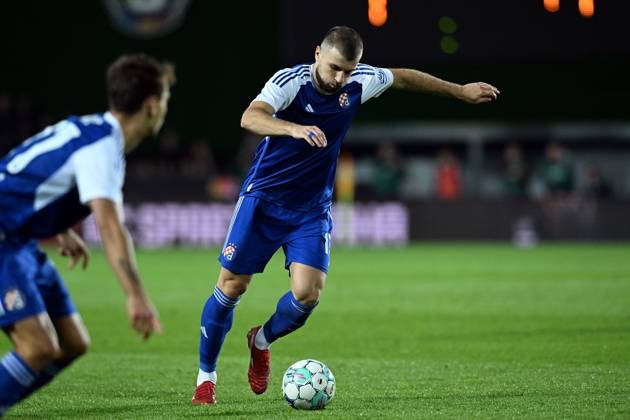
{"x": 236, "y": 209}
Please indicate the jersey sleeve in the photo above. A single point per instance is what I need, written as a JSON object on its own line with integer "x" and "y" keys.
{"x": 99, "y": 170}
{"x": 375, "y": 81}
{"x": 280, "y": 90}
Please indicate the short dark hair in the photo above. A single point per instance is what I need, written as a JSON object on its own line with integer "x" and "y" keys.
{"x": 133, "y": 78}
{"x": 346, "y": 40}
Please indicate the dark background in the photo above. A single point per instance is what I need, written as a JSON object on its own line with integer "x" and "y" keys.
{"x": 56, "y": 52}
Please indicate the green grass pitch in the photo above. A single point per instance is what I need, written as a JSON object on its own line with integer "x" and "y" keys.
{"x": 427, "y": 331}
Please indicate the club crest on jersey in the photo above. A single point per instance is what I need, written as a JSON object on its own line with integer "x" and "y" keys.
{"x": 13, "y": 300}
{"x": 229, "y": 251}
{"x": 381, "y": 76}
{"x": 344, "y": 100}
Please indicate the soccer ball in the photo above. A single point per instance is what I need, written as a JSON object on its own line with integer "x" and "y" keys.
{"x": 308, "y": 385}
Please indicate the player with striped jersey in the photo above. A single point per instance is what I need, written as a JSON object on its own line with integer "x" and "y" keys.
{"x": 47, "y": 185}
{"x": 303, "y": 113}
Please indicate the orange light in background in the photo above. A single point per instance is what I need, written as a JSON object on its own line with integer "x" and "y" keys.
{"x": 377, "y": 12}
{"x": 587, "y": 7}
{"x": 552, "y": 5}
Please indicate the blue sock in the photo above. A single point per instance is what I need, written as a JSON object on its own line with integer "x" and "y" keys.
{"x": 46, "y": 375}
{"x": 216, "y": 321}
{"x": 16, "y": 377}
{"x": 289, "y": 316}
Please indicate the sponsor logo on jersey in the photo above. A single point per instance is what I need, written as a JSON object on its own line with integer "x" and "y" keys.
{"x": 13, "y": 300}
{"x": 229, "y": 251}
{"x": 309, "y": 108}
{"x": 344, "y": 100}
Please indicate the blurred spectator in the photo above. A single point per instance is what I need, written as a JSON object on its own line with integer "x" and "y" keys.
{"x": 170, "y": 143}
{"x": 388, "y": 172}
{"x": 199, "y": 160}
{"x": 169, "y": 152}
{"x": 595, "y": 185}
{"x": 557, "y": 171}
{"x": 448, "y": 176}
{"x": 516, "y": 173}
{"x": 345, "y": 182}
{"x": 223, "y": 188}
{"x": 160, "y": 160}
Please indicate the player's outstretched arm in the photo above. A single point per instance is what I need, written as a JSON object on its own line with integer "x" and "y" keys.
{"x": 120, "y": 252}
{"x": 258, "y": 118}
{"x": 417, "y": 81}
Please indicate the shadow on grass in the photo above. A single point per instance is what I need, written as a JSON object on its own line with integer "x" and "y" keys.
{"x": 542, "y": 332}
{"x": 480, "y": 396}
{"x": 155, "y": 410}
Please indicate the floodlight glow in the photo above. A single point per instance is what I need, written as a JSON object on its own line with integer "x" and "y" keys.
{"x": 377, "y": 12}
{"x": 587, "y": 7}
{"x": 552, "y": 5}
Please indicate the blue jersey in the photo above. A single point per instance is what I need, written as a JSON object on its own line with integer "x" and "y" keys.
{"x": 47, "y": 181}
{"x": 290, "y": 172}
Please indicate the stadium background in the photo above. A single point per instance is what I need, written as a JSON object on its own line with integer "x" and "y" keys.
{"x": 562, "y": 77}
{"x": 447, "y": 329}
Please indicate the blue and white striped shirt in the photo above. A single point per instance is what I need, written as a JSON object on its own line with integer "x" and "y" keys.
{"x": 47, "y": 181}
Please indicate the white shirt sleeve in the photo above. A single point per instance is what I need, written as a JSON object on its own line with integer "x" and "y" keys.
{"x": 281, "y": 89}
{"x": 100, "y": 170}
{"x": 375, "y": 80}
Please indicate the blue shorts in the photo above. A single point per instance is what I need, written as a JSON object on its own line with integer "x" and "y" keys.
{"x": 30, "y": 285}
{"x": 259, "y": 228}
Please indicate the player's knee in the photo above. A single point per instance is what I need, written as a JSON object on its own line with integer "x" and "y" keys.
{"x": 234, "y": 290}
{"x": 308, "y": 297}
{"x": 307, "y": 284}
{"x": 39, "y": 352}
{"x": 76, "y": 349}
{"x": 308, "y": 293}
{"x": 233, "y": 285}
{"x": 84, "y": 347}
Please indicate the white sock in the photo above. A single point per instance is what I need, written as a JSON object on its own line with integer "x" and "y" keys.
{"x": 203, "y": 376}
{"x": 260, "y": 341}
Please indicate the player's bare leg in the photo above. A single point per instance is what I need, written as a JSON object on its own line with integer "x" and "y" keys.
{"x": 291, "y": 313}
{"x": 307, "y": 283}
{"x": 232, "y": 284}
{"x": 35, "y": 340}
{"x": 74, "y": 341}
{"x": 216, "y": 321}
{"x": 36, "y": 345}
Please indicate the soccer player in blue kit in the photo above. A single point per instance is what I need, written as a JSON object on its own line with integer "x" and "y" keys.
{"x": 304, "y": 113}
{"x": 49, "y": 183}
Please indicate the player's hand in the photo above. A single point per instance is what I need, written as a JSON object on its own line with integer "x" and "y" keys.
{"x": 71, "y": 245}
{"x": 479, "y": 92}
{"x": 143, "y": 316}
{"x": 311, "y": 134}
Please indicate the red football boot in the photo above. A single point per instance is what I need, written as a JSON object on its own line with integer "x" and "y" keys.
{"x": 204, "y": 394}
{"x": 258, "y": 364}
